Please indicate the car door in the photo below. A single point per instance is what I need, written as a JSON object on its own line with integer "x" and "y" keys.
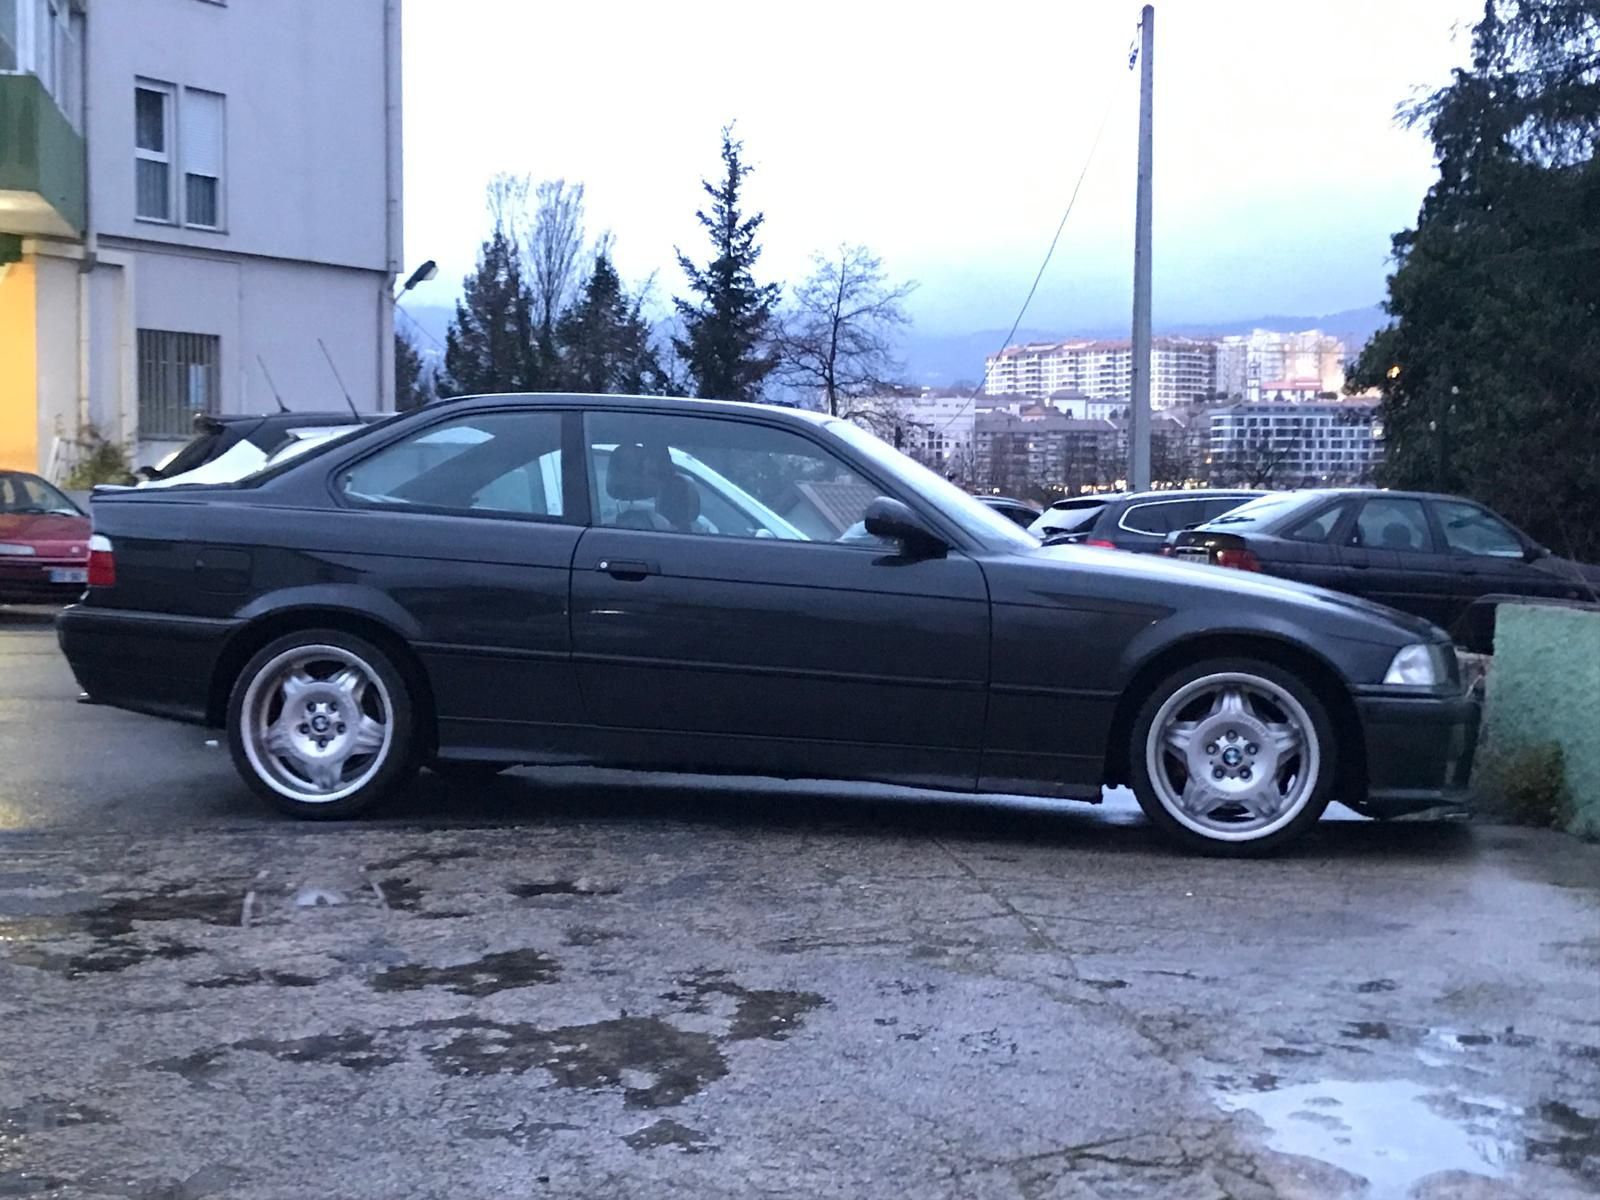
{"x": 1389, "y": 556}
{"x": 1489, "y": 558}
{"x": 730, "y": 612}
{"x": 465, "y": 524}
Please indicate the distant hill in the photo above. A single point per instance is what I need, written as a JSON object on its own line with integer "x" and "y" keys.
{"x": 945, "y": 360}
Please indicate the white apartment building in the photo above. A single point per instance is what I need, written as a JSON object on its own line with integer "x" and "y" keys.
{"x": 1088, "y": 408}
{"x": 192, "y": 193}
{"x": 1182, "y": 370}
{"x": 1328, "y": 442}
{"x": 1246, "y": 364}
{"x": 933, "y": 426}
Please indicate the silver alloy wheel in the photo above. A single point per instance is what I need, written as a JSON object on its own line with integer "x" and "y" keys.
{"x": 1233, "y": 757}
{"x": 316, "y": 723}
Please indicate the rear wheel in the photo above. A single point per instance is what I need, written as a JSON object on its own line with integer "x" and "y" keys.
{"x": 1233, "y": 757}
{"x": 321, "y": 724}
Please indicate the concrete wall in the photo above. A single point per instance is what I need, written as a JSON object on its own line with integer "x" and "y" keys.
{"x": 19, "y": 444}
{"x": 305, "y": 82}
{"x": 1544, "y": 687}
{"x": 58, "y": 352}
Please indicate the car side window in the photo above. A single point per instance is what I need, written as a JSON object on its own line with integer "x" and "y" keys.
{"x": 1158, "y": 516}
{"x": 1469, "y": 529}
{"x": 1393, "y": 524}
{"x": 721, "y": 477}
{"x": 489, "y": 463}
{"x": 1319, "y": 527}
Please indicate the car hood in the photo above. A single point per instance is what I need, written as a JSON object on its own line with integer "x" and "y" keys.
{"x": 1225, "y": 581}
{"x": 52, "y": 535}
{"x": 1568, "y": 571}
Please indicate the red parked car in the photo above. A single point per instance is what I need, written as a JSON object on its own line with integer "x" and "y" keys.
{"x": 44, "y": 542}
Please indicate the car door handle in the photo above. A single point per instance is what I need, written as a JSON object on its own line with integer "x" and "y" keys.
{"x": 630, "y": 569}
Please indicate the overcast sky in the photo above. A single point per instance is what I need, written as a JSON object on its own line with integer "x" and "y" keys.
{"x": 947, "y": 137}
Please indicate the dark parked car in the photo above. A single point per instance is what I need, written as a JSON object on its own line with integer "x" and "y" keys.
{"x": 1019, "y": 512}
{"x": 1435, "y": 556}
{"x": 44, "y": 542}
{"x": 233, "y": 445}
{"x": 724, "y": 587}
{"x": 1138, "y": 521}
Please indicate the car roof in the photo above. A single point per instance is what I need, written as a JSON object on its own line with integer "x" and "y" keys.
{"x": 592, "y": 400}
{"x": 1188, "y": 494}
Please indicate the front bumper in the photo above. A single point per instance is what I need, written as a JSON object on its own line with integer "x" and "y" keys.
{"x": 146, "y": 662}
{"x": 1419, "y": 750}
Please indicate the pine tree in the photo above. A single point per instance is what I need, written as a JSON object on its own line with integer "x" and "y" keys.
{"x": 603, "y": 340}
{"x": 412, "y": 387}
{"x": 727, "y": 322}
{"x": 490, "y": 345}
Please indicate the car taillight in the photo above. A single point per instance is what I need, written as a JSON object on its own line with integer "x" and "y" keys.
{"x": 1241, "y": 560}
{"x": 1101, "y": 542}
{"x": 102, "y": 566}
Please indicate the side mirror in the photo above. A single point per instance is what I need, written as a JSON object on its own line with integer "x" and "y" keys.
{"x": 1535, "y": 552}
{"x": 887, "y": 518}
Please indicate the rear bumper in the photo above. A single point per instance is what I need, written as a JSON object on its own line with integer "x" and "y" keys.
{"x": 147, "y": 662}
{"x": 1419, "y": 751}
{"x": 30, "y": 583}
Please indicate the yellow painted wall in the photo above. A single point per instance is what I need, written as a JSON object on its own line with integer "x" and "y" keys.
{"x": 19, "y": 367}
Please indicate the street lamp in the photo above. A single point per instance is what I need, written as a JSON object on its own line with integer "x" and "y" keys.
{"x": 422, "y": 274}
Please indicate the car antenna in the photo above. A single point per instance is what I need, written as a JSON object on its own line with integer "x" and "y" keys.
{"x": 282, "y": 407}
{"x": 353, "y": 412}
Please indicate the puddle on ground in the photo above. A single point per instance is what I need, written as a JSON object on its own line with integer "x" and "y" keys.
{"x": 1392, "y": 1132}
{"x": 758, "y": 1012}
{"x": 482, "y": 977}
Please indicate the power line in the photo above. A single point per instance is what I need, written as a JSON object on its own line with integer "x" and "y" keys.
{"x": 1072, "y": 200}
{"x": 418, "y": 325}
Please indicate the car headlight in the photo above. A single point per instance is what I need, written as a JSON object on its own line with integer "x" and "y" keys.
{"x": 16, "y": 550}
{"x": 1419, "y": 665}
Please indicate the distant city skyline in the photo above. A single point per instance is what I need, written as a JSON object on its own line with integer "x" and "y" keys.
{"x": 1280, "y": 171}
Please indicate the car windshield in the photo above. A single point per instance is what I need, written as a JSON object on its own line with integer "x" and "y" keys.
{"x": 1069, "y": 516}
{"x": 975, "y": 518}
{"x": 1258, "y": 512}
{"x": 31, "y": 496}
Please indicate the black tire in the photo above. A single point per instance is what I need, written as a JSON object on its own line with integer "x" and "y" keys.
{"x": 1243, "y": 841}
{"x": 460, "y": 770}
{"x": 377, "y": 775}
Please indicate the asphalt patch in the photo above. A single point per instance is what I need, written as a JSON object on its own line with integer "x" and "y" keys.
{"x": 482, "y": 977}
{"x": 667, "y": 1132}
{"x": 653, "y": 1063}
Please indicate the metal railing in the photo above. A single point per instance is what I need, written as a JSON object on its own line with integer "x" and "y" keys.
{"x": 180, "y": 375}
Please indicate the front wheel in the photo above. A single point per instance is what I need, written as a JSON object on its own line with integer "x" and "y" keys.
{"x": 321, "y": 724}
{"x": 1233, "y": 757}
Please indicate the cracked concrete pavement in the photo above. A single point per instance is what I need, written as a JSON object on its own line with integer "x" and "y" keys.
{"x": 589, "y": 985}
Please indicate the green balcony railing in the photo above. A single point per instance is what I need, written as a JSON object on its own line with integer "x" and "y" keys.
{"x": 42, "y": 174}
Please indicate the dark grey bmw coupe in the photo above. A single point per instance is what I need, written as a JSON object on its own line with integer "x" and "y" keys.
{"x": 705, "y": 586}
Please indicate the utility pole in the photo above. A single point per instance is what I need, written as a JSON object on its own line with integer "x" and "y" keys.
{"x": 1139, "y": 425}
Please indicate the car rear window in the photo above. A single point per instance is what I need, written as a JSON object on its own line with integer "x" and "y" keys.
{"x": 1258, "y": 512}
{"x": 1069, "y": 517}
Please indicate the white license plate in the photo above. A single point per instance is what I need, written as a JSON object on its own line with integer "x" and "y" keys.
{"x": 70, "y": 575}
{"x": 1192, "y": 553}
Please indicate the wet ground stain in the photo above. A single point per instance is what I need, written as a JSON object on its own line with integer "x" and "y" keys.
{"x": 523, "y": 1134}
{"x": 400, "y": 893}
{"x": 667, "y": 1132}
{"x": 758, "y": 1013}
{"x": 352, "y": 1049}
{"x": 108, "y": 958}
{"x": 559, "y": 887}
{"x": 432, "y": 858}
{"x": 1576, "y": 1148}
{"x": 653, "y": 1063}
{"x": 1366, "y": 1031}
{"x": 197, "y": 1068}
{"x": 586, "y": 935}
{"x": 482, "y": 977}
{"x": 256, "y": 976}
{"x": 42, "y": 1116}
